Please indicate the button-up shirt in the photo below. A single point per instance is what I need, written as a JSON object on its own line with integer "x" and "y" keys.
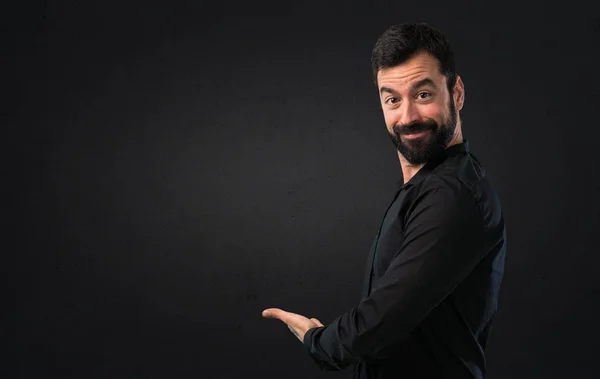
{"x": 432, "y": 280}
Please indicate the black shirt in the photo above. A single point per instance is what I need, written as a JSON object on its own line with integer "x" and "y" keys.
{"x": 432, "y": 280}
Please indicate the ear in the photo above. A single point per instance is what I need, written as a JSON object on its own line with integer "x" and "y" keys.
{"x": 459, "y": 93}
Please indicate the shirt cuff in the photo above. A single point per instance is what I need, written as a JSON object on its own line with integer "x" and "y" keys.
{"x": 309, "y": 342}
{"x": 308, "y": 337}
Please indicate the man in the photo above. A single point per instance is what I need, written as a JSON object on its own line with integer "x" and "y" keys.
{"x": 436, "y": 265}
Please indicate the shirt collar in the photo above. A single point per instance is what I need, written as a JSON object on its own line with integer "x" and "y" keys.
{"x": 453, "y": 150}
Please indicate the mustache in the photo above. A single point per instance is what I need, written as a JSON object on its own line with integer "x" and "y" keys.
{"x": 415, "y": 127}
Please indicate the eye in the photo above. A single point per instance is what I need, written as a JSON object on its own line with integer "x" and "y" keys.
{"x": 424, "y": 95}
{"x": 390, "y": 100}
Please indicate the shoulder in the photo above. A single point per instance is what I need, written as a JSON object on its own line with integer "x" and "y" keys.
{"x": 442, "y": 199}
{"x": 442, "y": 187}
{"x": 460, "y": 177}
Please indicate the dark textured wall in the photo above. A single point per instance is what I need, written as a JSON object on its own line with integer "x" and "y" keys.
{"x": 179, "y": 167}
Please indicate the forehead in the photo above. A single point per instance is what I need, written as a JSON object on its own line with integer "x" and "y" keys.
{"x": 420, "y": 66}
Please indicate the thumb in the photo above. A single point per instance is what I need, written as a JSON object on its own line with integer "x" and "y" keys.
{"x": 316, "y": 321}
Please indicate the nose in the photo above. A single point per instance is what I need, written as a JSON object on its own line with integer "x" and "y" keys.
{"x": 408, "y": 113}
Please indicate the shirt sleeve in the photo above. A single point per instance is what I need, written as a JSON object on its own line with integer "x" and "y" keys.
{"x": 442, "y": 244}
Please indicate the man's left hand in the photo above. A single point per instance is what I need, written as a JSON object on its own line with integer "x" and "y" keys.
{"x": 296, "y": 323}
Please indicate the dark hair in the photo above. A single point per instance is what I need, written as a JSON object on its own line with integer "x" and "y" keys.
{"x": 401, "y": 42}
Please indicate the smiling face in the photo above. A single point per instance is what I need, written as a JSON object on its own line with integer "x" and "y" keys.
{"x": 420, "y": 113}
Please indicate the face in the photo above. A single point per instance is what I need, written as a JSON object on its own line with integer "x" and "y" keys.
{"x": 419, "y": 112}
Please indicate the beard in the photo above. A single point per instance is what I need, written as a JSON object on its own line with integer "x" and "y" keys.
{"x": 431, "y": 144}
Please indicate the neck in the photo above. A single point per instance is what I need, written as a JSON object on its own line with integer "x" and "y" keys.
{"x": 409, "y": 170}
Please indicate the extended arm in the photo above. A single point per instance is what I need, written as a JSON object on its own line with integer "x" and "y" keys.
{"x": 441, "y": 246}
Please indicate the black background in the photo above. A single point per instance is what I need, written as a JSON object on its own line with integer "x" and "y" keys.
{"x": 181, "y": 166}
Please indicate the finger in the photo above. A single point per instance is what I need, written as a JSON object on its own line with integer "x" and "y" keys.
{"x": 316, "y": 321}
{"x": 275, "y": 313}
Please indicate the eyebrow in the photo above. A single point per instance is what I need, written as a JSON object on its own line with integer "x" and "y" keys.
{"x": 413, "y": 87}
{"x": 423, "y": 83}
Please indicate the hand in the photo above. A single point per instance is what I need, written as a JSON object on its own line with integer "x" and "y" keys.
{"x": 296, "y": 323}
